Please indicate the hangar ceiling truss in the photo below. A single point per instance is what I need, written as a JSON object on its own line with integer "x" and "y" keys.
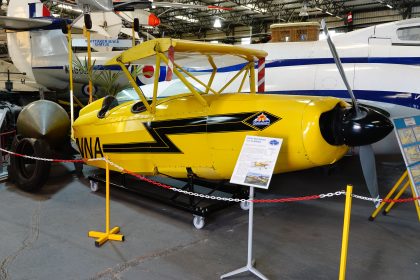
{"x": 258, "y": 15}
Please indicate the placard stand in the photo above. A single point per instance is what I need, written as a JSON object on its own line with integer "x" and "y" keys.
{"x": 249, "y": 266}
{"x": 254, "y": 168}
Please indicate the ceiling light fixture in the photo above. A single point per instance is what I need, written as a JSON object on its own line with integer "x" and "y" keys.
{"x": 385, "y": 3}
{"x": 254, "y": 8}
{"x": 304, "y": 11}
{"x": 186, "y": 18}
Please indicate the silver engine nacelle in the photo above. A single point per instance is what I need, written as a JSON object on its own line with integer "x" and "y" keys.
{"x": 46, "y": 120}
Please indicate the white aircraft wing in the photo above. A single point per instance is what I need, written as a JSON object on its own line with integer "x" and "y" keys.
{"x": 15, "y": 23}
{"x": 106, "y": 24}
{"x": 126, "y": 15}
{"x": 127, "y": 31}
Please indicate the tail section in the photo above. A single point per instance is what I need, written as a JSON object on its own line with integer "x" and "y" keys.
{"x": 38, "y": 10}
{"x": 21, "y": 44}
{"x": 27, "y": 9}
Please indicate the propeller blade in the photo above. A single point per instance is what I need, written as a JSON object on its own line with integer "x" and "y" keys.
{"x": 367, "y": 160}
{"x": 340, "y": 67}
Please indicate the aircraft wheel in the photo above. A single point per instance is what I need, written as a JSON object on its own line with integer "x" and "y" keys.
{"x": 245, "y": 205}
{"x": 136, "y": 24}
{"x": 64, "y": 27}
{"x": 30, "y": 174}
{"x": 78, "y": 169}
{"x": 88, "y": 21}
{"x": 94, "y": 186}
{"x": 199, "y": 222}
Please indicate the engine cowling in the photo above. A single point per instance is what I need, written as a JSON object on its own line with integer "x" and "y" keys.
{"x": 46, "y": 120}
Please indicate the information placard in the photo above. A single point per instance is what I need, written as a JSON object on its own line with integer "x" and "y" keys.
{"x": 118, "y": 43}
{"x": 256, "y": 161}
{"x": 408, "y": 135}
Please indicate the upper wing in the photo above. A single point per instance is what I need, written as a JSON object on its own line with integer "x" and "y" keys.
{"x": 187, "y": 53}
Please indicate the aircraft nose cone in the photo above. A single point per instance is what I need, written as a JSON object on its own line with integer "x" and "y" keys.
{"x": 370, "y": 128}
{"x": 153, "y": 20}
{"x": 340, "y": 126}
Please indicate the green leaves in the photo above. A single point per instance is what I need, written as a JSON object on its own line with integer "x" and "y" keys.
{"x": 109, "y": 82}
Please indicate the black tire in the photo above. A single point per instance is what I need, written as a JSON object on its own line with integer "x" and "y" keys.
{"x": 28, "y": 174}
{"x": 64, "y": 27}
{"x": 11, "y": 174}
{"x": 136, "y": 24}
{"x": 88, "y": 21}
{"x": 78, "y": 169}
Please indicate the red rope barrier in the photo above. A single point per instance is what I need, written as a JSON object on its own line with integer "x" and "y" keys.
{"x": 69, "y": 160}
{"x": 400, "y": 200}
{"x": 8, "y": 132}
{"x": 150, "y": 181}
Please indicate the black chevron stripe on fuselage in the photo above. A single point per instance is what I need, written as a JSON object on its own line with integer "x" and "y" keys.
{"x": 160, "y": 130}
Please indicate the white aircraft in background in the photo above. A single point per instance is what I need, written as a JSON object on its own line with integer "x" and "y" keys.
{"x": 38, "y": 47}
{"x": 381, "y": 63}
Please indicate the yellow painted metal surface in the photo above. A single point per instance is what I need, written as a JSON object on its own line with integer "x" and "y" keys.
{"x": 108, "y": 234}
{"x": 388, "y": 196}
{"x": 346, "y": 232}
{"x": 151, "y": 47}
{"x": 202, "y": 133}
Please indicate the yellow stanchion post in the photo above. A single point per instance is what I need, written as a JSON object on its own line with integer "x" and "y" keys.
{"x": 71, "y": 79}
{"x": 89, "y": 51}
{"x": 391, "y": 192}
{"x": 388, "y": 208}
{"x": 416, "y": 202}
{"x": 133, "y": 33}
{"x": 346, "y": 229}
{"x": 112, "y": 234}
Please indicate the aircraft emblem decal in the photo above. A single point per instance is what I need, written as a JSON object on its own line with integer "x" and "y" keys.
{"x": 262, "y": 120}
{"x": 160, "y": 130}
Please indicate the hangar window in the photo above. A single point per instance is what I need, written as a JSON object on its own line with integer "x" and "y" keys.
{"x": 411, "y": 33}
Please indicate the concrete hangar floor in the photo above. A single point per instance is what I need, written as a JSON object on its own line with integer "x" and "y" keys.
{"x": 44, "y": 235}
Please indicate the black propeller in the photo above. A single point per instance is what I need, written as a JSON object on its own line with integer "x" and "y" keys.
{"x": 355, "y": 126}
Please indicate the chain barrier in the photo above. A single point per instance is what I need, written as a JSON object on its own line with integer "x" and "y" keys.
{"x": 212, "y": 197}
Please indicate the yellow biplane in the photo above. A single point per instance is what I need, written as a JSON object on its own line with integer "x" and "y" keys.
{"x": 203, "y": 128}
